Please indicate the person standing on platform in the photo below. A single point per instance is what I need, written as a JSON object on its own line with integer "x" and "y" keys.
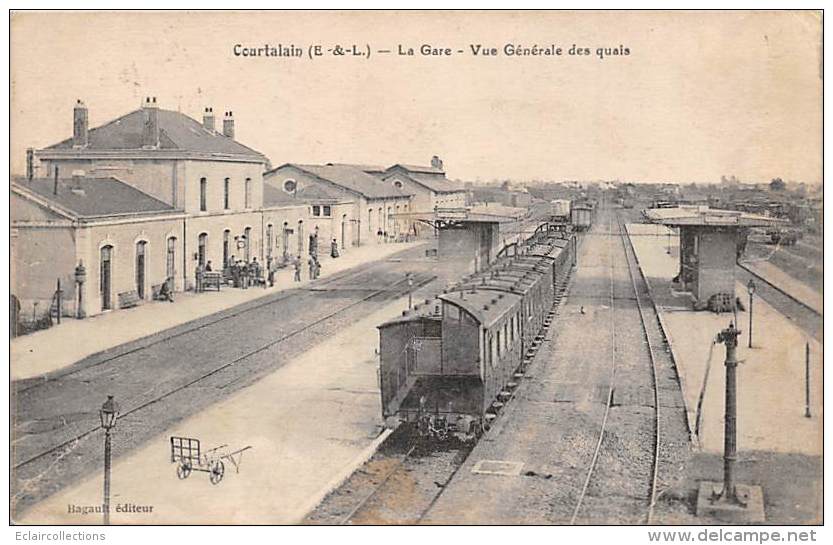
{"x": 334, "y": 249}
{"x": 270, "y": 268}
{"x": 298, "y": 269}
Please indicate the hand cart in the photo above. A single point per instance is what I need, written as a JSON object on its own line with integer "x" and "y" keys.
{"x": 185, "y": 452}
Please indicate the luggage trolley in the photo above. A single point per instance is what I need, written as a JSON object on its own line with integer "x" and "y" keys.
{"x": 185, "y": 451}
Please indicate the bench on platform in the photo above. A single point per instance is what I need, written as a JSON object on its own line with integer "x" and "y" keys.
{"x": 212, "y": 280}
{"x": 129, "y": 299}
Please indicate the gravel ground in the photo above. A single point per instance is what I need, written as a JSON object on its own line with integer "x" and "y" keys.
{"x": 392, "y": 488}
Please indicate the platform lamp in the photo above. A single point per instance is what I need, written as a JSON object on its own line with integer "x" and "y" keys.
{"x": 750, "y": 289}
{"x": 80, "y": 278}
{"x": 109, "y": 413}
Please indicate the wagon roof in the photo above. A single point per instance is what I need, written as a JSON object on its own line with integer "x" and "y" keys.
{"x": 487, "y": 306}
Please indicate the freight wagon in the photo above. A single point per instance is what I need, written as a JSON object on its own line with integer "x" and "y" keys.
{"x": 446, "y": 365}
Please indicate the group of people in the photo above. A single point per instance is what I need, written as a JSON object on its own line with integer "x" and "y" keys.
{"x": 243, "y": 273}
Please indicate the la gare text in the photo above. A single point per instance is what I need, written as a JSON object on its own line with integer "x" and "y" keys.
{"x": 430, "y": 50}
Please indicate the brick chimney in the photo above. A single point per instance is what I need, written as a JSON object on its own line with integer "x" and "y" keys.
{"x": 436, "y": 162}
{"x": 80, "y": 125}
{"x": 150, "y": 124}
{"x": 208, "y": 119}
{"x": 228, "y": 125}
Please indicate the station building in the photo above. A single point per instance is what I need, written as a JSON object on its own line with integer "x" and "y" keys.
{"x": 151, "y": 195}
{"x": 430, "y": 187}
{"x": 346, "y": 202}
{"x": 124, "y": 238}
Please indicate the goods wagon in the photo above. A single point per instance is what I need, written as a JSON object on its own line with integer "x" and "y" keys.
{"x": 446, "y": 365}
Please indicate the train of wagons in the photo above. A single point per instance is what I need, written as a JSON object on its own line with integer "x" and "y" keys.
{"x": 447, "y": 365}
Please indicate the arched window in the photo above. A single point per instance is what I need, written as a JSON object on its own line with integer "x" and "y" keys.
{"x": 370, "y": 220}
{"x": 141, "y": 248}
{"x": 226, "y": 242}
{"x": 201, "y": 241}
{"x": 248, "y": 192}
{"x": 203, "y": 192}
{"x": 170, "y": 259}
{"x": 247, "y": 249}
{"x": 105, "y": 277}
{"x": 268, "y": 240}
{"x": 226, "y": 188}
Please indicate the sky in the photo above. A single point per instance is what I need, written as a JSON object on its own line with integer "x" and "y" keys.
{"x": 699, "y": 95}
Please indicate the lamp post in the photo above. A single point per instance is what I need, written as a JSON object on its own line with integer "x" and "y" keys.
{"x": 750, "y": 288}
{"x": 80, "y": 278}
{"x": 109, "y": 413}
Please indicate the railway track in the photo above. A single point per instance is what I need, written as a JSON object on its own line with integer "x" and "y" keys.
{"x": 58, "y": 450}
{"x": 654, "y": 344}
{"x": 410, "y": 488}
{"x": 194, "y": 326}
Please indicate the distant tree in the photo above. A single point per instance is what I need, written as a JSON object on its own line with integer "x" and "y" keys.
{"x": 777, "y": 184}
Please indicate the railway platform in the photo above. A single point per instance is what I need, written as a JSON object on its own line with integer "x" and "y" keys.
{"x": 771, "y": 379}
{"x": 779, "y": 447}
{"x": 73, "y": 340}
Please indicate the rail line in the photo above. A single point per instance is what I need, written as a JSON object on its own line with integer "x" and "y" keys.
{"x": 462, "y": 453}
{"x": 654, "y": 471}
{"x": 780, "y": 290}
{"x": 34, "y": 382}
{"x": 652, "y": 499}
{"x": 216, "y": 370}
{"x": 610, "y": 391}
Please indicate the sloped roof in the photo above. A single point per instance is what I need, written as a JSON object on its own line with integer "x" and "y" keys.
{"x": 419, "y": 168}
{"x": 97, "y": 196}
{"x": 432, "y": 178}
{"x": 371, "y": 169}
{"x": 177, "y": 131}
{"x": 353, "y": 179}
{"x": 276, "y": 196}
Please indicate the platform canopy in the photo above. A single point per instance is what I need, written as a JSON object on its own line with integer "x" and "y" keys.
{"x": 704, "y": 216}
{"x": 447, "y": 217}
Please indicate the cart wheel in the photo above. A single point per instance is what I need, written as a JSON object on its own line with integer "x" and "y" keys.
{"x": 217, "y": 471}
{"x": 183, "y": 470}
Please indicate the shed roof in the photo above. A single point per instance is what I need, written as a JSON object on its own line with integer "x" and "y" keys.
{"x": 705, "y": 216}
{"x": 351, "y": 178}
{"x": 85, "y": 197}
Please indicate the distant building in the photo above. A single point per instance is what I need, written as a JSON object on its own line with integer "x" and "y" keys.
{"x": 373, "y": 207}
{"x": 430, "y": 187}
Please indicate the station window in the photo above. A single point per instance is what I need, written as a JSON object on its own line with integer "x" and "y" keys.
{"x": 512, "y": 329}
{"x": 326, "y": 211}
{"x": 498, "y": 344}
{"x": 203, "y": 192}
{"x": 316, "y": 210}
{"x": 505, "y": 336}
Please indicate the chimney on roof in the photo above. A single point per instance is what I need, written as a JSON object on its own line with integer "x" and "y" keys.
{"x": 80, "y": 125}
{"x": 208, "y": 119}
{"x": 150, "y": 125}
{"x": 436, "y": 162}
{"x": 30, "y": 163}
{"x": 77, "y": 176}
{"x": 228, "y": 124}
